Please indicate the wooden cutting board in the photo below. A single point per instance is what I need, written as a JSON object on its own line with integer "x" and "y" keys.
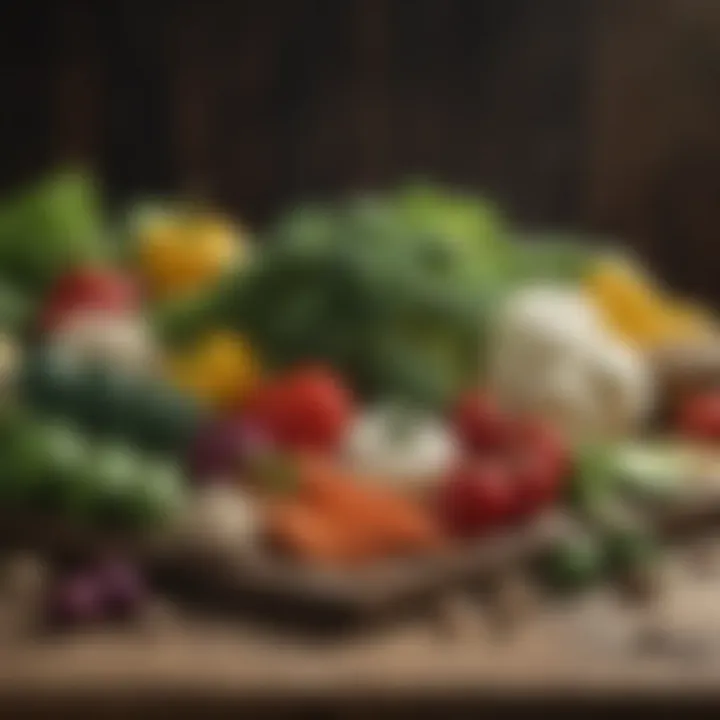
{"x": 316, "y": 598}
{"x": 345, "y": 599}
{"x": 281, "y": 591}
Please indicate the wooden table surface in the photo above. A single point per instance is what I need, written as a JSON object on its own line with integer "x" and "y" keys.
{"x": 587, "y": 649}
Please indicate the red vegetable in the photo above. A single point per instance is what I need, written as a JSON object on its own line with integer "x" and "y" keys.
{"x": 537, "y": 482}
{"x": 89, "y": 289}
{"x": 541, "y": 438}
{"x": 699, "y": 417}
{"x": 308, "y": 408}
{"x": 480, "y": 425}
{"x": 518, "y": 472}
{"x": 540, "y": 461}
{"x": 477, "y": 498}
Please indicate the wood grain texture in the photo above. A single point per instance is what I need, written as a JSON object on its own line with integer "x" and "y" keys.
{"x": 258, "y": 103}
{"x": 584, "y": 652}
{"x": 78, "y": 99}
{"x": 655, "y": 115}
{"x": 601, "y": 114}
{"x": 27, "y": 49}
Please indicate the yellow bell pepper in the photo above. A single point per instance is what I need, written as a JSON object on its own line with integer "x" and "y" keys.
{"x": 182, "y": 254}
{"x": 220, "y": 370}
{"x": 633, "y": 307}
{"x": 690, "y": 321}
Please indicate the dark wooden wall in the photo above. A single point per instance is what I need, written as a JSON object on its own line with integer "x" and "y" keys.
{"x": 655, "y": 138}
{"x": 598, "y": 113}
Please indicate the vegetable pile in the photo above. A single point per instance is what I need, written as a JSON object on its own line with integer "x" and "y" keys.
{"x": 381, "y": 377}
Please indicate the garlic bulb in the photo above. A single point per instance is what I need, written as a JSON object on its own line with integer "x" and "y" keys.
{"x": 408, "y": 448}
{"x": 222, "y": 519}
{"x": 121, "y": 340}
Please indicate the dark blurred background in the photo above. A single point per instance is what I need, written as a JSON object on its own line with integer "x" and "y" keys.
{"x": 600, "y": 114}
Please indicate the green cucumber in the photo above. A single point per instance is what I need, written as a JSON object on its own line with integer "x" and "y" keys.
{"x": 575, "y": 563}
{"x": 25, "y": 463}
{"x": 117, "y": 471}
{"x": 652, "y": 470}
{"x": 131, "y": 490}
{"x": 61, "y": 454}
{"x": 104, "y": 401}
{"x": 628, "y": 550}
{"x": 160, "y": 494}
{"x": 594, "y": 476}
{"x": 164, "y": 420}
{"x": 50, "y": 380}
{"x": 628, "y": 538}
{"x": 142, "y": 410}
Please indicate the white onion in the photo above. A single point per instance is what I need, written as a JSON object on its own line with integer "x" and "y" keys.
{"x": 409, "y": 450}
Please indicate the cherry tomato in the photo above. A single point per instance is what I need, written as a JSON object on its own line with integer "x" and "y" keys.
{"x": 309, "y": 408}
{"x": 537, "y": 482}
{"x": 540, "y": 460}
{"x": 98, "y": 282}
{"x": 480, "y": 424}
{"x": 544, "y": 440}
{"x": 699, "y": 417}
{"x": 476, "y": 498}
{"x": 89, "y": 289}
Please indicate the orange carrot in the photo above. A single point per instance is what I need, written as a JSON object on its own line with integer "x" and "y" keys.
{"x": 302, "y": 532}
{"x": 336, "y": 518}
{"x": 396, "y": 522}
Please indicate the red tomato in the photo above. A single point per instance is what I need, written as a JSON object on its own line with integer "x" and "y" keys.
{"x": 699, "y": 417}
{"x": 308, "y": 408}
{"x": 537, "y": 482}
{"x": 476, "y": 498}
{"x": 97, "y": 282}
{"x": 540, "y": 460}
{"x": 542, "y": 440}
{"x": 480, "y": 425}
{"x": 89, "y": 289}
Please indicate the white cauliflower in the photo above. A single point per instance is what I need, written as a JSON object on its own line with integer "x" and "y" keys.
{"x": 551, "y": 355}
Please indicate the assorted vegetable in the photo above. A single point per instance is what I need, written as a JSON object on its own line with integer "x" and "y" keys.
{"x": 105, "y": 400}
{"x": 50, "y": 467}
{"x": 385, "y": 376}
{"x": 516, "y": 468}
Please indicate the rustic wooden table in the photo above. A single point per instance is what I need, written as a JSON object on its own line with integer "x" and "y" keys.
{"x": 594, "y": 648}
